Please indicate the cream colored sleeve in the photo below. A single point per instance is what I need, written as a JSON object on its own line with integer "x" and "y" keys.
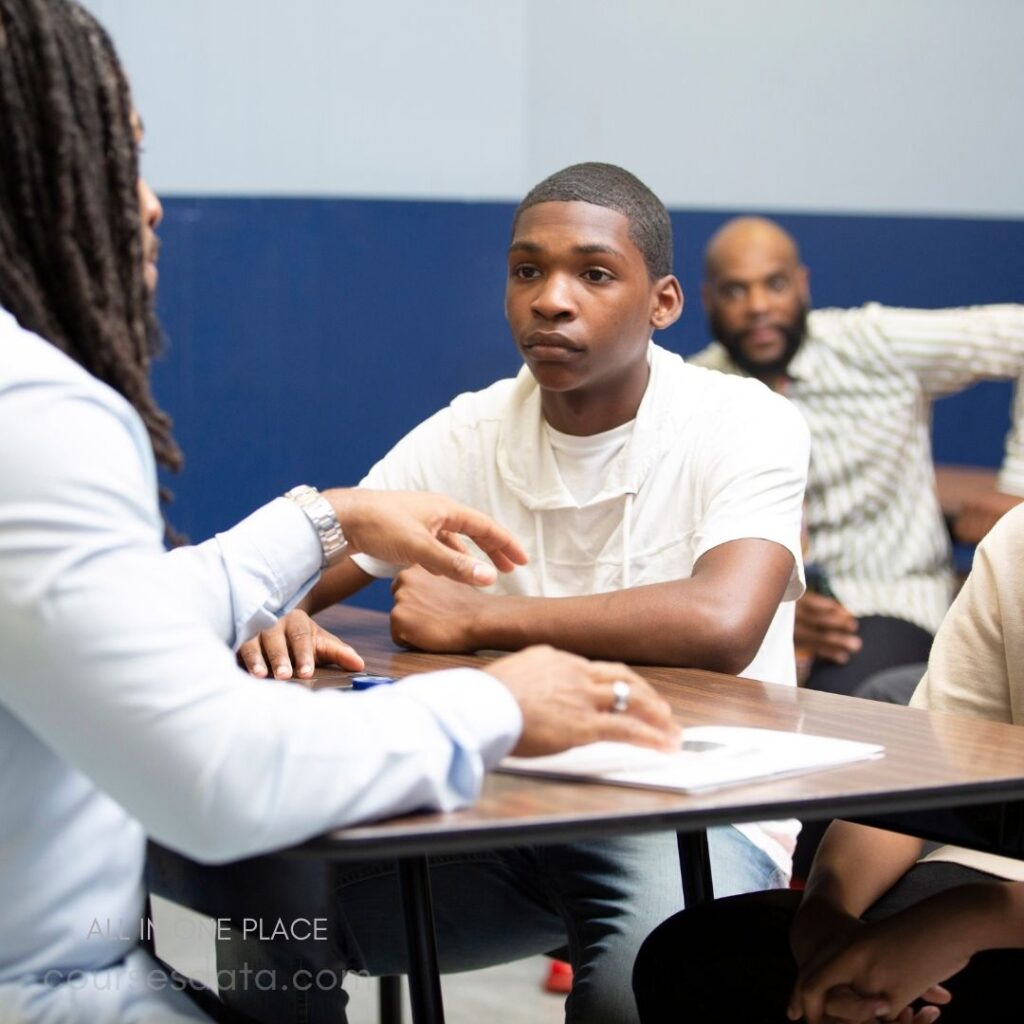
{"x": 976, "y": 665}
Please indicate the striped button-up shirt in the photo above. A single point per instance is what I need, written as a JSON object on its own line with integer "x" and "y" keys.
{"x": 864, "y": 379}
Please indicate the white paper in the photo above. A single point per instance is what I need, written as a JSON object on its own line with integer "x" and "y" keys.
{"x": 711, "y": 756}
{"x": 185, "y": 940}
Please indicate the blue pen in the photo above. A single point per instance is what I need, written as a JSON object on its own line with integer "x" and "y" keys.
{"x": 368, "y": 682}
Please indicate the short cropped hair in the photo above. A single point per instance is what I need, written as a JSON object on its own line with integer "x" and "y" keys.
{"x": 650, "y": 228}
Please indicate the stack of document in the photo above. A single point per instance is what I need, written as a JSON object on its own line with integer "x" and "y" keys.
{"x": 710, "y": 756}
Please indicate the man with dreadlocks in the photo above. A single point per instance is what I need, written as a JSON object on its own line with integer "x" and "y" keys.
{"x": 122, "y": 710}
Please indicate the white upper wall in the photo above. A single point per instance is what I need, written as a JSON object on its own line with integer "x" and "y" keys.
{"x": 908, "y": 106}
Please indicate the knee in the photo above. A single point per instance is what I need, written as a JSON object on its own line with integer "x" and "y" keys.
{"x": 657, "y": 986}
{"x": 693, "y": 959}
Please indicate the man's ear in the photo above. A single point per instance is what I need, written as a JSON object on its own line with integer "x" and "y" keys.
{"x": 667, "y": 302}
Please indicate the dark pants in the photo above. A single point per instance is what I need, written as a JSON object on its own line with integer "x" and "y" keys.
{"x": 729, "y": 961}
{"x": 887, "y": 668}
{"x": 888, "y": 643}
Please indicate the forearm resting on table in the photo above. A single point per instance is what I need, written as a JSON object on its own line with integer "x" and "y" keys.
{"x": 704, "y": 622}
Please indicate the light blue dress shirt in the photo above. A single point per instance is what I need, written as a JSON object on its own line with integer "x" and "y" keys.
{"x": 123, "y": 712}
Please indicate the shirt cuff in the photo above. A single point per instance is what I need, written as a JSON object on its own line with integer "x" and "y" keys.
{"x": 273, "y": 558}
{"x": 477, "y": 711}
{"x": 375, "y": 567}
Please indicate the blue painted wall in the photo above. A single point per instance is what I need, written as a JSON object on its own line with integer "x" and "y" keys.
{"x": 307, "y": 335}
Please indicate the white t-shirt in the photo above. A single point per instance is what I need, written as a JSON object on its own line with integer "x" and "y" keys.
{"x": 584, "y": 462}
{"x": 709, "y": 459}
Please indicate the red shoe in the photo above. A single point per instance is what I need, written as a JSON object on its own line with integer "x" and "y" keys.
{"x": 559, "y": 978}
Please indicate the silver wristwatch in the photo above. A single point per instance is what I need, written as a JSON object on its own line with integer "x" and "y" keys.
{"x": 321, "y": 515}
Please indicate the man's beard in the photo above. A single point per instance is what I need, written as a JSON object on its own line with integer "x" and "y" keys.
{"x": 793, "y": 335}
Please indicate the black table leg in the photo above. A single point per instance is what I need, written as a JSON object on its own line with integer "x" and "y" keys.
{"x": 695, "y": 867}
{"x": 424, "y": 976}
{"x": 389, "y": 990}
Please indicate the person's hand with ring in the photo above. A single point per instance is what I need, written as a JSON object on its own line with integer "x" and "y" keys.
{"x": 567, "y": 700}
{"x": 620, "y": 696}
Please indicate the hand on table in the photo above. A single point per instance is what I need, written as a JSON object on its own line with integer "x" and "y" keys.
{"x": 296, "y": 640}
{"x": 417, "y": 527}
{"x": 434, "y": 614}
{"x": 980, "y": 513}
{"x": 825, "y": 628}
{"x": 567, "y": 700}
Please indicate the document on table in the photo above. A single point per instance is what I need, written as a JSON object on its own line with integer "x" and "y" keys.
{"x": 710, "y": 756}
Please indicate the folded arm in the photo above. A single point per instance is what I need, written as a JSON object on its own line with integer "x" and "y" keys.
{"x": 716, "y": 619}
{"x": 849, "y": 970}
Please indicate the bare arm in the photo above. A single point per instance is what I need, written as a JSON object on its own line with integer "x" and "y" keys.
{"x": 716, "y": 619}
{"x": 980, "y": 513}
{"x": 338, "y": 583}
{"x": 853, "y": 867}
{"x": 855, "y": 971}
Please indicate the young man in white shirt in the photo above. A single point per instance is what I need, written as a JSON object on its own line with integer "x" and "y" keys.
{"x": 659, "y": 504}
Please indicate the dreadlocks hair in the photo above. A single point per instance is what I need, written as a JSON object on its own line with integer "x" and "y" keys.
{"x": 606, "y": 185}
{"x": 71, "y": 255}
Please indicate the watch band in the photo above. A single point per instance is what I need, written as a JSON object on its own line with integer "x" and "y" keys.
{"x": 321, "y": 515}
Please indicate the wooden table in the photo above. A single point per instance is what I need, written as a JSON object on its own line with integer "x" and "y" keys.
{"x": 933, "y": 762}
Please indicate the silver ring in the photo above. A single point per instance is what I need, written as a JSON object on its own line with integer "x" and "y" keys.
{"x": 620, "y": 696}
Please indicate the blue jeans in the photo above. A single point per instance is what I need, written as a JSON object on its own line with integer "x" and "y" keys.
{"x": 600, "y": 898}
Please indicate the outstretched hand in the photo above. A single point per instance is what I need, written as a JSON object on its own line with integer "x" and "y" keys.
{"x": 567, "y": 701}
{"x": 417, "y": 527}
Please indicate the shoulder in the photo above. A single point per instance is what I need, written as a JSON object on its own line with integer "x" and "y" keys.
{"x": 445, "y": 449}
{"x": 746, "y": 405}
{"x": 724, "y": 409}
{"x": 839, "y": 331}
{"x": 465, "y": 418}
{"x": 714, "y": 357}
{"x": 731, "y": 393}
{"x": 33, "y": 369}
{"x": 59, "y": 420}
{"x": 473, "y": 408}
{"x": 1003, "y": 545}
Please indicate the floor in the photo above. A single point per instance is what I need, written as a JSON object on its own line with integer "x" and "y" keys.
{"x": 510, "y": 994}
